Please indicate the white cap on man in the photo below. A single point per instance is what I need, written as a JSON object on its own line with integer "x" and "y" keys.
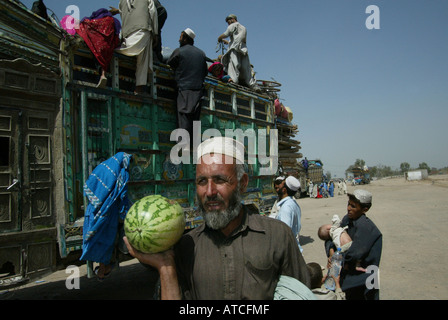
{"x": 291, "y": 182}
{"x": 364, "y": 196}
{"x": 222, "y": 145}
{"x": 190, "y": 33}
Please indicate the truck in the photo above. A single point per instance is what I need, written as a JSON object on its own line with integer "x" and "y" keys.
{"x": 361, "y": 175}
{"x": 314, "y": 174}
{"x": 56, "y": 126}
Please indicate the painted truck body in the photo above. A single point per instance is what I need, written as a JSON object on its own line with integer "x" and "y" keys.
{"x": 56, "y": 127}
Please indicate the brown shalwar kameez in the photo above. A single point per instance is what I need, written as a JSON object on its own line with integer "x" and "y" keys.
{"x": 245, "y": 265}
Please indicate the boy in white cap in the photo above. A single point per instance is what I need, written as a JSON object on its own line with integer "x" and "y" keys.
{"x": 365, "y": 250}
{"x": 237, "y": 253}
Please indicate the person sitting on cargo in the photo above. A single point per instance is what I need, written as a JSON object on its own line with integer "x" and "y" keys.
{"x": 305, "y": 165}
{"x": 237, "y": 253}
{"x": 217, "y": 71}
{"x": 139, "y": 28}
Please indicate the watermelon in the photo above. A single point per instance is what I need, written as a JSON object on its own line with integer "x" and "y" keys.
{"x": 154, "y": 224}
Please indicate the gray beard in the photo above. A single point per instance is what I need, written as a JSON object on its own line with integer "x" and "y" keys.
{"x": 219, "y": 219}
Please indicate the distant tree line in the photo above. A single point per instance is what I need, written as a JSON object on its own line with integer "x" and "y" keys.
{"x": 381, "y": 171}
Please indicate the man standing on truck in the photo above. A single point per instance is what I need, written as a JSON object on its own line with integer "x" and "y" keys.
{"x": 236, "y": 60}
{"x": 305, "y": 166}
{"x": 190, "y": 69}
{"x": 139, "y": 28}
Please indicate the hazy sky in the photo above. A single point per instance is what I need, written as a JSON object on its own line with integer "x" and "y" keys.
{"x": 380, "y": 95}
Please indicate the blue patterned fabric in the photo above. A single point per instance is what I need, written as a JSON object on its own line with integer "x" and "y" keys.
{"x": 106, "y": 191}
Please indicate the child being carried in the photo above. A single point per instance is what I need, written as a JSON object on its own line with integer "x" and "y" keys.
{"x": 336, "y": 233}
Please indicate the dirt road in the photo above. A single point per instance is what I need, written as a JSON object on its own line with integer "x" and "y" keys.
{"x": 412, "y": 216}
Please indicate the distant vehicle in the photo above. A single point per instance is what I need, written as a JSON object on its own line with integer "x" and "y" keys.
{"x": 315, "y": 174}
{"x": 361, "y": 175}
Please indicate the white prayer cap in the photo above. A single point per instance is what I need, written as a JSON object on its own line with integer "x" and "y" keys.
{"x": 293, "y": 183}
{"x": 222, "y": 145}
{"x": 363, "y": 196}
{"x": 190, "y": 33}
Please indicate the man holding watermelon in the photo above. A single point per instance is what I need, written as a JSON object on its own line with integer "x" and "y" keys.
{"x": 237, "y": 253}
